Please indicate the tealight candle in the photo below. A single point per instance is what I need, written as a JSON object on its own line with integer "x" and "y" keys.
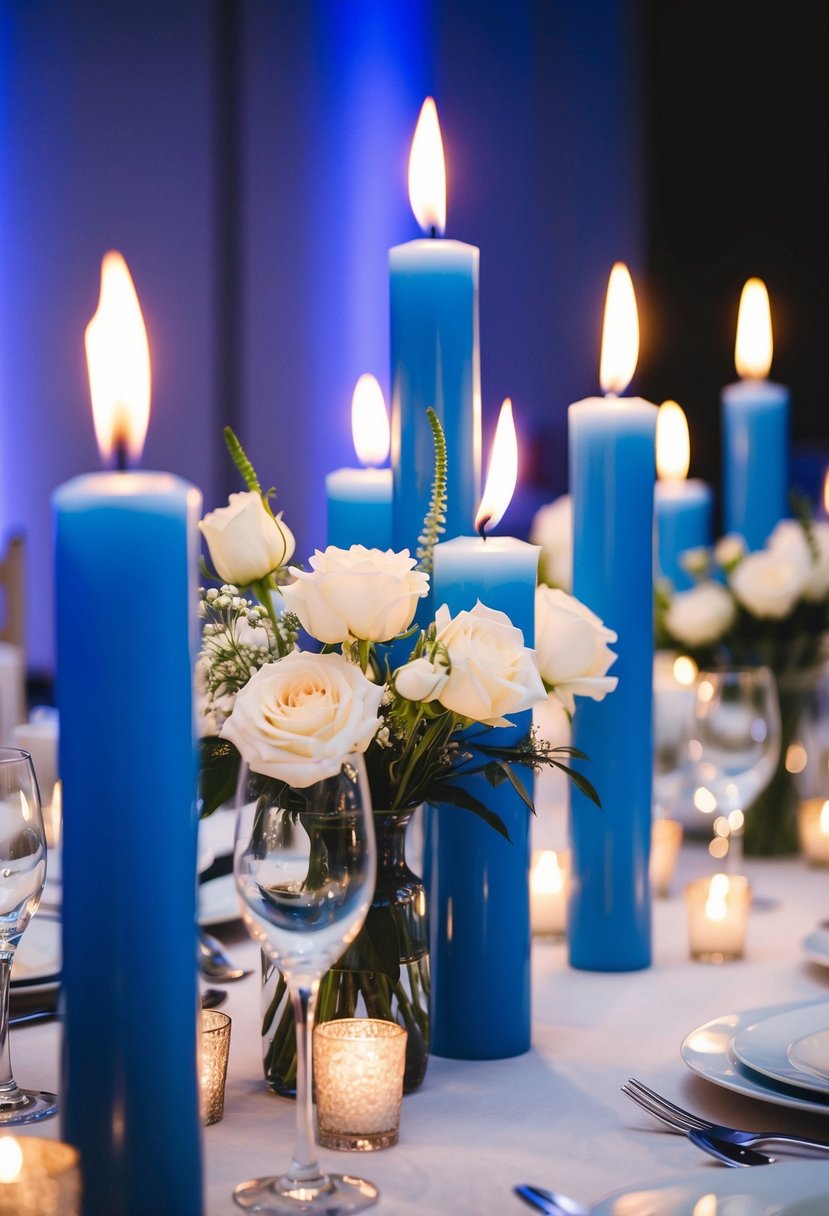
{"x": 718, "y": 917}
{"x": 813, "y": 829}
{"x": 358, "y": 1078}
{"x": 39, "y": 737}
{"x": 684, "y": 508}
{"x": 666, "y": 838}
{"x": 549, "y": 891}
{"x": 38, "y": 1176}
{"x": 214, "y": 1044}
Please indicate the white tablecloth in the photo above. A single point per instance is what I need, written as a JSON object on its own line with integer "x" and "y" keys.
{"x": 555, "y": 1116}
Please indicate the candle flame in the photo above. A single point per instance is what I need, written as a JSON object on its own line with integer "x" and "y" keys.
{"x": 547, "y": 876}
{"x": 823, "y": 819}
{"x": 11, "y": 1159}
{"x": 369, "y": 421}
{"x": 754, "y": 345}
{"x": 620, "y": 335}
{"x": 427, "y": 171}
{"x": 118, "y": 357}
{"x": 673, "y": 444}
{"x": 502, "y": 473}
{"x": 685, "y": 670}
{"x": 716, "y": 907}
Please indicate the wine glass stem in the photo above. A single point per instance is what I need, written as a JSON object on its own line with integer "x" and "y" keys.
{"x": 304, "y": 1167}
{"x": 735, "y": 853}
{"x": 6, "y": 1078}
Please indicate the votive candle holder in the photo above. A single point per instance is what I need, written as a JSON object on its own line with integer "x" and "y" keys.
{"x": 813, "y": 830}
{"x": 549, "y": 892}
{"x": 215, "y": 1049}
{"x": 666, "y": 840}
{"x": 718, "y": 910}
{"x": 38, "y": 1176}
{"x": 358, "y": 1077}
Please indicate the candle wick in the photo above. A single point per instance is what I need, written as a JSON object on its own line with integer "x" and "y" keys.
{"x": 482, "y": 526}
{"x": 121, "y": 461}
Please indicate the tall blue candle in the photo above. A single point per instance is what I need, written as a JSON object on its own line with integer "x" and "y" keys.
{"x": 126, "y": 560}
{"x": 611, "y": 482}
{"x": 435, "y": 359}
{"x": 684, "y": 509}
{"x": 755, "y": 428}
{"x": 359, "y": 500}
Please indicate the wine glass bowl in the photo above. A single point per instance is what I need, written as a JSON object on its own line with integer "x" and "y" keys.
{"x": 304, "y": 865}
{"x": 22, "y": 878}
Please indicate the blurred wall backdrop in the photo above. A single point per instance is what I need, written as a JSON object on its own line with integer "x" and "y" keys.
{"x": 249, "y": 159}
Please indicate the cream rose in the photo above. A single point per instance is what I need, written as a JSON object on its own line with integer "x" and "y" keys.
{"x": 789, "y": 540}
{"x": 729, "y": 550}
{"x": 572, "y": 647}
{"x": 769, "y": 584}
{"x": 552, "y": 529}
{"x": 420, "y": 680}
{"x": 491, "y": 671}
{"x": 359, "y": 593}
{"x": 245, "y": 541}
{"x": 298, "y": 719}
{"x": 701, "y": 616}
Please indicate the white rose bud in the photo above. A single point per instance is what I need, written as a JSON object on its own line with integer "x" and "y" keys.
{"x": 492, "y": 672}
{"x": 769, "y": 584}
{"x": 420, "y": 680}
{"x": 360, "y": 593}
{"x": 298, "y": 719}
{"x": 695, "y": 561}
{"x": 572, "y": 647}
{"x": 701, "y": 616}
{"x": 729, "y": 550}
{"x": 789, "y": 540}
{"x": 552, "y": 529}
{"x": 245, "y": 541}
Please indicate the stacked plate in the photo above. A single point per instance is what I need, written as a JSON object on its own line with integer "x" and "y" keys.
{"x": 777, "y": 1054}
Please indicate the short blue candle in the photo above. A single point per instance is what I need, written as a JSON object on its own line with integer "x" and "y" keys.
{"x": 684, "y": 520}
{"x": 755, "y": 417}
{"x": 359, "y": 508}
{"x": 435, "y": 362}
{"x": 479, "y": 907}
{"x": 126, "y": 562}
{"x": 612, "y": 465}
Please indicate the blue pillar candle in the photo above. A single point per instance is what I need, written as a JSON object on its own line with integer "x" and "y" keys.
{"x": 684, "y": 509}
{"x": 479, "y": 903}
{"x": 435, "y": 358}
{"x": 612, "y": 447}
{"x": 359, "y": 500}
{"x": 126, "y": 549}
{"x": 755, "y": 428}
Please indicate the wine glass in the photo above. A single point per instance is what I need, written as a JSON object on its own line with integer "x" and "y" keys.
{"x": 305, "y": 863}
{"x": 22, "y": 877}
{"x": 735, "y": 746}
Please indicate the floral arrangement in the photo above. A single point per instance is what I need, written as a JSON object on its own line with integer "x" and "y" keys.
{"x": 770, "y": 607}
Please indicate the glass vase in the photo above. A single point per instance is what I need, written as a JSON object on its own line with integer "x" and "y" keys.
{"x": 383, "y": 974}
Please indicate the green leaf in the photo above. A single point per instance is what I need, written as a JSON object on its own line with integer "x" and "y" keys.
{"x": 581, "y": 782}
{"x": 509, "y": 775}
{"x": 456, "y": 795}
{"x": 218, "y": 773}
{"x": 376, "y": 948}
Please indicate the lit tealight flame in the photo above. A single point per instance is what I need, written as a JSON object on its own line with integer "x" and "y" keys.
{"x": 369, "y": 422}
{"x": 716, "y": 907}
{"x": 685, "y": 670}
{"x": 673, "y": 445}
{"x": 118, "y": 356}
{"x": 620, "y": 335}
{"x": 823, "y": 820}
{"x": 547, "y": 876}
{"x": 427, "y": 171}
{"x": 502, "y": 474}
{"x": 11, "y": 1159}
{"x": 754, "y": 346}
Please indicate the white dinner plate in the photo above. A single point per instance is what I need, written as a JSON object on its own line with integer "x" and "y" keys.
{"x": 708, "y": 1051}
{"x": 816, "y": 947}
{"x": 764, "y": 1046}
{"x": 792, "y": 1189}
{"x": 811, "y": 1054}
{"x": 36, "y": 966}
{"x": 218, "y": 901}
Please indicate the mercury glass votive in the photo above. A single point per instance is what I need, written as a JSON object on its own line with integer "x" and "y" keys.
{"x": 38, "y": 1177}
{"x": 666, "y": 838}
{"x": 718, "y": 917}
{"x": 358, "y": 1077}
{"x": 215, "y": 1048}
{"x": 813, "y": 830}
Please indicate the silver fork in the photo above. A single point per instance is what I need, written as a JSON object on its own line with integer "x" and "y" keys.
{"x": 681, "y": 1120}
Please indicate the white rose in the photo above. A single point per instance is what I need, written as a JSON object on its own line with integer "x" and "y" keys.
{"x": 572, "y": 647}
{"x": 420, "y": 680}
{"x": 298, "y": 719}
{"x": 552, "y": 529}
{"x": 491, "y": 672}
{"x": 245, "y": 541}
{"x": 695, "y": 561}
{"x": 729, "y": 550}
{"x": 789, "y": 540}
{"x": 769, "y": 584}
{"x": 701, "y": 616}
{"x": 356, "y": 593}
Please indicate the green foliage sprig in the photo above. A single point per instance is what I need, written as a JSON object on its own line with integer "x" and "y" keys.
{"x": 435, "y": 522}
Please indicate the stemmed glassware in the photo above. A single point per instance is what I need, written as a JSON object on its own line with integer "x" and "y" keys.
{"x": 305, "y": 863}
{"x": 735, "y": 746}
{"x": 22, "y": 877}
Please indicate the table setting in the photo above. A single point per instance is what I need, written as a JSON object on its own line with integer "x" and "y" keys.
{"x": 291, "y": 897}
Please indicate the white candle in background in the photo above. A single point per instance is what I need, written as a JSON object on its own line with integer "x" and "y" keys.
{"x": 717, "y": 917}
{"x": 813, "y": 829}
{"x": 549, "y": 892}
